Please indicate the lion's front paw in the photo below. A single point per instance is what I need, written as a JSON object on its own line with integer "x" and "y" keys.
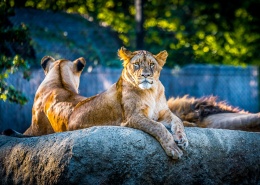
{"x": 181, "y": 139}
{"x": 173, "y": 151}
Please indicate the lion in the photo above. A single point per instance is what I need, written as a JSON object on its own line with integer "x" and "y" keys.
{"x": 137, "y": 100}
{"x": 208, "y": 112}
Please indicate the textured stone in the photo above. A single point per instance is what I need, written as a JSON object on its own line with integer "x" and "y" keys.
{"x": 119, "y": 155}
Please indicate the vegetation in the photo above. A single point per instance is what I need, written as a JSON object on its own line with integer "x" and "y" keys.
{"x": 16, "y": 53}
{"x": 215, "y": 32}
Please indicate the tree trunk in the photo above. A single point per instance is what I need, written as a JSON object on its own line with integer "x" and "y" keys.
{"x": 139, "y": 18}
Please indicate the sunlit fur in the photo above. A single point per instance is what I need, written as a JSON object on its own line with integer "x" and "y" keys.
{"x": 207, "y": 112}
{"x": 142, "y": 67}
{"x": 57, "y": 106}
{"x": 56, "y": 96}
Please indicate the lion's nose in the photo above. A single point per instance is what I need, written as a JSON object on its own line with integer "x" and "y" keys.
{"x": 146, "y": 75}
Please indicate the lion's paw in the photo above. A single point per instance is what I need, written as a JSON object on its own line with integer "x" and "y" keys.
{"x": 181, "y": 140}
{"x": 174, "y": 151}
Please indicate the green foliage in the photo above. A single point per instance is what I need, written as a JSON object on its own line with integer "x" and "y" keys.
{"x": 215, "y": 32}
{"x": 14, "y": 45}
{"x": 117, "y": 14}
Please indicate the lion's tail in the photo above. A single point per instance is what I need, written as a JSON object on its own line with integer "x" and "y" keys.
{"x": 13, "y": 133}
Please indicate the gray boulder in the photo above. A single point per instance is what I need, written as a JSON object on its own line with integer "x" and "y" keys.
{"x": 119, "y": 155}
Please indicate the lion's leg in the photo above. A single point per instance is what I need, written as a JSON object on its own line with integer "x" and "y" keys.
{"x": 158, "y": 131}
{"x": 28, "y": 131}
{"x": 40, "y": 125}
{"x": 179, "y": 133}
{"x": 169, "y": 120}
{"x": 233, "y": 121}
{"x": 189, "y": 124}
{"x": 38, "y": 130}
{"x": 34, "y": 130}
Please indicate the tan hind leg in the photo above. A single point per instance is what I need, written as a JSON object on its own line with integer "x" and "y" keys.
{"x": 233, "y": 121}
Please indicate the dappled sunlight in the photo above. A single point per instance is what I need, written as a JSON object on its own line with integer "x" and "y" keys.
{"x": 192, "y": 32}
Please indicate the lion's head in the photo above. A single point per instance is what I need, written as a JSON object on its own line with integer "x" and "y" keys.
{"x": 142, "y": 68}
{"x": 63, "y": 72}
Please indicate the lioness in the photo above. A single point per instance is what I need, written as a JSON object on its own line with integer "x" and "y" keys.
{"x": 136, "y": 100}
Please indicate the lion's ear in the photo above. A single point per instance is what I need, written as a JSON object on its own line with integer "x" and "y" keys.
{"x": 124, "y": 55}
{"x": 45, "y": 63}
{"x": 161, "y": 57}
{"x": 80, "y": 64}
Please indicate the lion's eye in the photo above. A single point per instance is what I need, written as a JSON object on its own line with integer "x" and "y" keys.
{"x": 152, "y": 64}
{"x": 136, "y": 65}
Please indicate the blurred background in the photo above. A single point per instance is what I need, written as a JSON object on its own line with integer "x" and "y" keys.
{"x": 213, "y": 47}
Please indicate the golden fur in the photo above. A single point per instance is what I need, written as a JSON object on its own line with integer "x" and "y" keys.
{"x": 137, "y": 100}
{"x": 207, "y": 112}
{"x": 56, "y": 96}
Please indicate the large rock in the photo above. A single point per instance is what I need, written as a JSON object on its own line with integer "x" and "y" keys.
{"x": 118, "y": 155}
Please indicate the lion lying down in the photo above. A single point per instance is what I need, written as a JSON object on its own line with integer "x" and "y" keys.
{"x": 136, "y": 100}
{"x": 207, "y": 112}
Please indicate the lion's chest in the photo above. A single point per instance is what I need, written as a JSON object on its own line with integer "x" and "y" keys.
{"x": 152, "y": 108}
{"x": 152, "y": 113}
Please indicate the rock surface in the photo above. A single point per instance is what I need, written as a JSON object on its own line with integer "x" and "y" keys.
{"x": 118, "y": 155}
